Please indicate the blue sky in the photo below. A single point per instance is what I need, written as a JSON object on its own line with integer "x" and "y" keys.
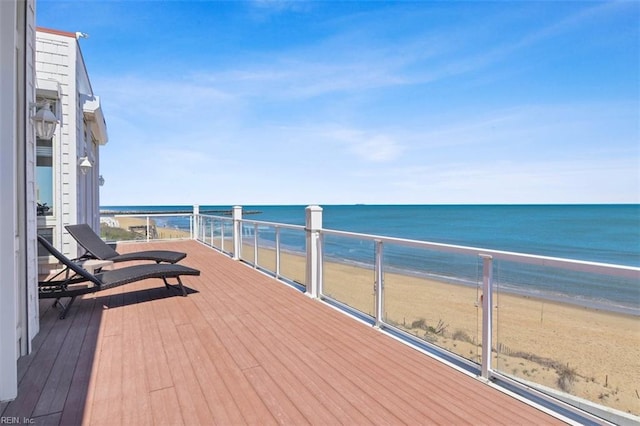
{"x": 314, "y": 102}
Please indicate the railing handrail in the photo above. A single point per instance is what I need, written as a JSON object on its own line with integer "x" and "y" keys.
{"x": 617, "y": 270}
{"x": 532, "y": 259}
{"x": 212, "y": 216}
{"x": 274, "y": 224}
{"x": 257, "y": 222}
{"x": 151, "y": 215}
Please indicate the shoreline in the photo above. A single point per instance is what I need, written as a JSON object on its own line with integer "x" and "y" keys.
{"x": 629, "y": 303}
{"x": 608, "y": 306}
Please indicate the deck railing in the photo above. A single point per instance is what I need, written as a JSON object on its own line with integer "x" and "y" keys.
{"x": 147, "y": 226}
{"x": 472, "y": 307}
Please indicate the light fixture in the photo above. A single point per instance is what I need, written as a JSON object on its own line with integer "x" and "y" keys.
{"x": 100, "y": 180}
{"x": 85, "y": 165}
{"x": 44, "y": 120}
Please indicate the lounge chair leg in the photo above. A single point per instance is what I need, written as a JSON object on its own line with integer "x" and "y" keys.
{"x": 178, "y": 286}
{"x": 64, "y": 309}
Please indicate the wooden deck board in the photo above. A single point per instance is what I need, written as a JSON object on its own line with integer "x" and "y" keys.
{"x": 165, "y": 407}
{"x": 223, "y": 410}
{"x": 277, "y": 401}
{"x": 45, "y": 328}
{"x": 107, "y": 402}
{"x": 242, "y": 348}
{"x": 193, "y": 404}
{"x": 266, "y": 349}
{"x": 135, "y": 388}
{"x": 331, "y": 406}
{"x": 33, "y": 381}
{"x": 80, "y": 391}
{"x": 56, "y": 389}
{"x": 157, "y": 365}
{"x": 251, "y": 407}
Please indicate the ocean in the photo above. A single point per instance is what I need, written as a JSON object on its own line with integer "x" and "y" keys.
{"x": 598, "y": 233}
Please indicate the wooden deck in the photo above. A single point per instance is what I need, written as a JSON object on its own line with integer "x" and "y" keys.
{"x": 242, "y": 348}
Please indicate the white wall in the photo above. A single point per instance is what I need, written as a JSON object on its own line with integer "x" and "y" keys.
{"x": 8, "y": 193}
{"x": 55, "y": 60}
{"x": 31, "y": 247}
{"x": 18, "y": 282}
{"x": 59, "y": 59}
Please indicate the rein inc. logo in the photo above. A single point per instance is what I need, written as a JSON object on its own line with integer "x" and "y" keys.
{"x": 15, "y": 420}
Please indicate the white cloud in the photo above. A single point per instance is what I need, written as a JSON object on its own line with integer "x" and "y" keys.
{"x": 140, "y": 95}
{"x": 569, "y": 181}
{"x": 543, "y": 131}
{"x": 277, "y": 6}
{"x": 299, "y": 78}
{"x": 377, "y": 148}
{"x": 367, "y": 145}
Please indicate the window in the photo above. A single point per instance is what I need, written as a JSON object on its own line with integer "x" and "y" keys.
{"x": 44, "y": 177}
{"x": 45, "y": 182}
{"x": 47, "y": 233}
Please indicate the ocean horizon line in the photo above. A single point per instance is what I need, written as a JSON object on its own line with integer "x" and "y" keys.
{"x": 374, "y": 204}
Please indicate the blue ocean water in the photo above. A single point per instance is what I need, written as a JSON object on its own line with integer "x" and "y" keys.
{"x": 599, "y": 233}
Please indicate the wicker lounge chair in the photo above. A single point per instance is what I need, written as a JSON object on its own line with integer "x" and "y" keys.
{"x": 74, "y": 281}
{"x": 97, "y": 249}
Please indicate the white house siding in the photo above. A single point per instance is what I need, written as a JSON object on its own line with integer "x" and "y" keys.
{"x": 54, "y": 53}
{"x": 59, "y": 58}
{"x": 17, "y": 147}
{"x": 95, "y": 135}
{"x": 8, "y": 193}
{"x": 92, "y": 133}
{"x": 31, "y": 249}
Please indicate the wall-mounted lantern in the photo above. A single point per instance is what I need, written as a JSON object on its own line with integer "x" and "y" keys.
{"x": 44, "y": 120}
{"x": 84, "y": 164}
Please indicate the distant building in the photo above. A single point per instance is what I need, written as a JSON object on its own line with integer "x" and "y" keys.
{"x": 19, "y": 314}
{"x": 67, "y": 165}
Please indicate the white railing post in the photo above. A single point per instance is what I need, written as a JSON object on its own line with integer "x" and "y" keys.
{"x": 487, "y": 313}
{"x": 237, "y": 232}
{"x": 320, "y": 259}
{"x": 196, "y": 222}
{"x": 277, "y": 252}
{"x": 378, "y": 285}
{"x": 147, "y": 228}
{"x": 313, "y": 225}
{"x": 222, "y": 235}
{"x": 255, "y": 245}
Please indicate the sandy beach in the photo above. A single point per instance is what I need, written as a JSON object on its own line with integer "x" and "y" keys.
{"x": 139, "y": 223}
{"x": 588, "y": 353}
